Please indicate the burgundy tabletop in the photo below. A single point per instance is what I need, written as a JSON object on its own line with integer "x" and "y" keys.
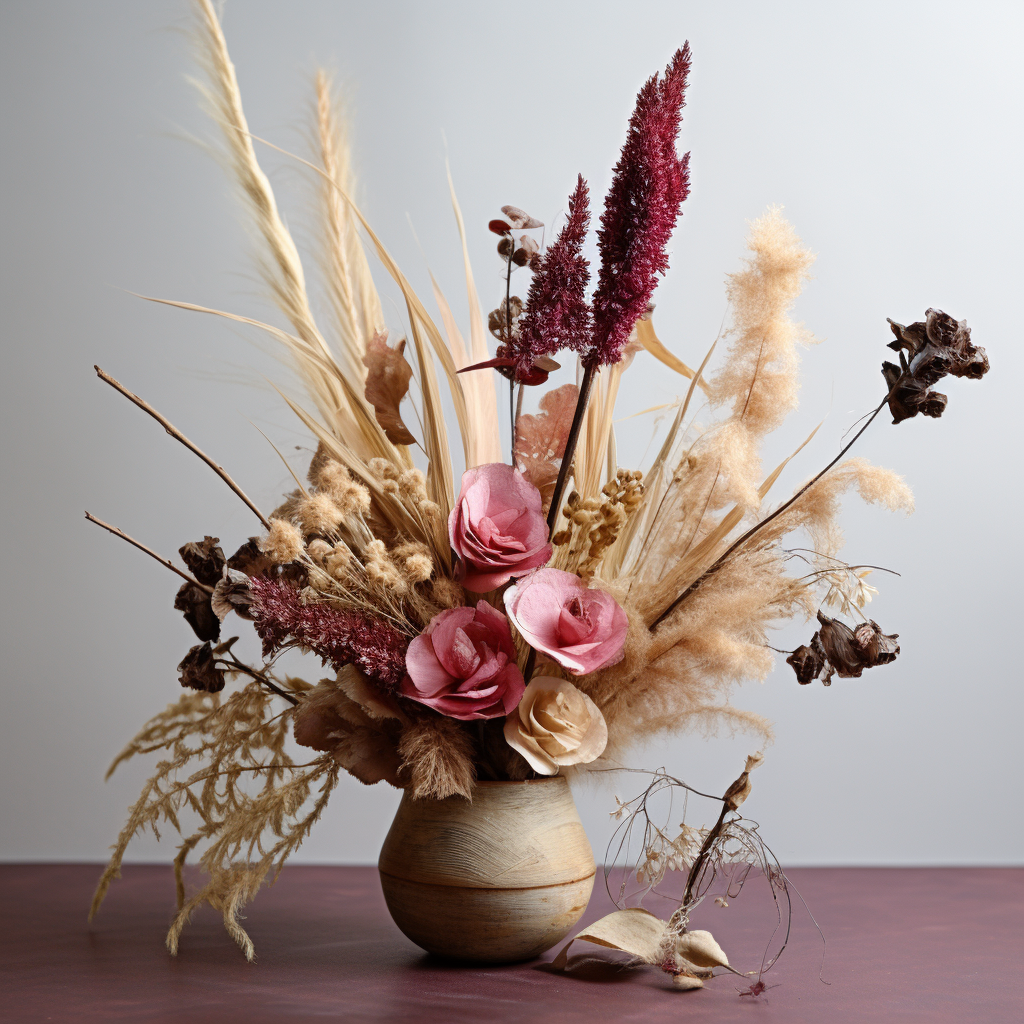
{"x": 902, "y": 944}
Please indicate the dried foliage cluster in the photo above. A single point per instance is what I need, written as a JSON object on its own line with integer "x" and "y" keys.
{"x": 549, "y": 612}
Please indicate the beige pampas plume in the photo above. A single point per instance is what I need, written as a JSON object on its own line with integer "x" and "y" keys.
{"x": 759, "y": 377}
{"x": 355, "y": 304}
{"x": 338, "y": 398}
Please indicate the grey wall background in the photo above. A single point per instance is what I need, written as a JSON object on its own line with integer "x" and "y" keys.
{"x": 889, "y": 131}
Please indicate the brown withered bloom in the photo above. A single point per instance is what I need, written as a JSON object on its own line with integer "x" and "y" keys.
{"x": 929, "y": 350}
{"x": 837, "y": 649}
{"x": 198, "y": 669}
{"x": 194, "y": 603}
{"x": 204, "y": 559}
{"x": 250, "y": 560}
{"x": 231, "y": 594}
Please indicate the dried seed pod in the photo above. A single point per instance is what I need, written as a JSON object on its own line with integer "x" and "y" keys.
{"x": 505, "y": 247}
{"x": 701, "y": 950}
{"x": 499, "y": 227}
{"x": 520, "y": 219}
{"x": 520, "y": 257}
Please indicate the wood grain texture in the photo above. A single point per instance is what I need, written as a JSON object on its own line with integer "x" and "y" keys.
{"x": 496, "y": 880}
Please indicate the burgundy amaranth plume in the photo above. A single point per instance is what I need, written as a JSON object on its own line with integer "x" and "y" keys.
{"x": 338, "y": 637}
{"x": 648, "y": 187}
{"x": 557, "y": 314}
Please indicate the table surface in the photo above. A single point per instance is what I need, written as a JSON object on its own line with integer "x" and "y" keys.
{"x": 902, "y": 944}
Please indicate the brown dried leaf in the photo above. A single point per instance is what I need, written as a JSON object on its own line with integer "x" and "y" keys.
{"x": 387, "y": 383}
{"x": 540, "y": 439}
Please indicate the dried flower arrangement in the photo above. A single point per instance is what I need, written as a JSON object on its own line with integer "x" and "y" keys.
{"x": 513, "y": 626}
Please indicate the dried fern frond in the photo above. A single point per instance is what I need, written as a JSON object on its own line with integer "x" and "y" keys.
{"x": 235, "y": 741}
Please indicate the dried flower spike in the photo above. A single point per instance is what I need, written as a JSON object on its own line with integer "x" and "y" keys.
{"x": 640, "y": 211}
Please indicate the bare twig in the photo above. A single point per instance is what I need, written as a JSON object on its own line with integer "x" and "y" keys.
{"x": 179, "y": 436}
{"x": 149, "y": 551}
{"x": 722, "y": 559}
{"x": 238, "y": 666}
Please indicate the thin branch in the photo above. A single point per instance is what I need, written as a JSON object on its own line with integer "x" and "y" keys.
{"x": 570, "y": 445}
{"x": 238, "y": 666}
{"x": 149, "y": 551}
{"x": 722, "y": 559}
{"x": 179, "y": 436}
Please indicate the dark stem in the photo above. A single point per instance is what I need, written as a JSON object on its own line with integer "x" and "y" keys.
{"x": 508, "y": 341}
{"x": 239, "y": 666}
{"x": 570, "y": 445}
{"x": 719, "y": 562}
{"x": 702, "y": 856}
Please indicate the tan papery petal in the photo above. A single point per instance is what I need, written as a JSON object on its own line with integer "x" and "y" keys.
{"x": 635, "y": 931}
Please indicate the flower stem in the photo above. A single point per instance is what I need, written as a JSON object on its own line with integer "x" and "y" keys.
{"x": 570, "y": 445}
{"x": 723, "y": 558}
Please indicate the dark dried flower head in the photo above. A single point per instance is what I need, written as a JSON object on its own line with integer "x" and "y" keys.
{"x": 640, "y": 211}
{"x": 198, "y": 669}
{"x": 929, "y": 350}
{"x": 339, "y": 637}
{"x": 194, "y": 602}
{"x": 231, "y": 594}
{"x": 520, "y": 219}
{"x": 837, "y": 649}
{"x": 250, "y": 559}
{"x": 808, "y": 661}
{"x": 204, "y": 559}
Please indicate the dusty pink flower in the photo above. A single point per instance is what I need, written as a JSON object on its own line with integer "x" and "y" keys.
{"x": 464, "y": 665}
{"x": 497, "y": 527}
{"x": 580, "y": 628}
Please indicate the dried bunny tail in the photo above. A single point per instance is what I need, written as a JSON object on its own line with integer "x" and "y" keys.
{"x": 437, "y": 754}
{"x": 350, "y": 288}
{"x": 338, "y": 400}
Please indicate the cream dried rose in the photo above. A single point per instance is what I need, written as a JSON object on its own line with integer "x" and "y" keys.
{"x": 555, "y": 725}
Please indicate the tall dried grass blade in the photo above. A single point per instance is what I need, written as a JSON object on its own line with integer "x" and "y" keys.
{"x": 350, "y": 288}
{"x": 650, "y": 341}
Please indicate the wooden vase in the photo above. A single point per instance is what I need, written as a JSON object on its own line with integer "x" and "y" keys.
{"x": 496, "y": 880}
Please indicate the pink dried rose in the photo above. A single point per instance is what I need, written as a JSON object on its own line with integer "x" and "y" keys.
{"x": 464, "y": 665}
{"x": 497, "y": 527}
{"x": 583, "y": 629}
